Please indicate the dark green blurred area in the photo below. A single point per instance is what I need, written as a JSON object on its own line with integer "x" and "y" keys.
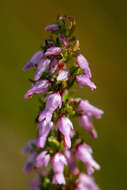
{"x": 102, "y": 31}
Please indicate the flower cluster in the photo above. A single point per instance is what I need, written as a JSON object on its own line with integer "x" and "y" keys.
{"x": 58, "y": 151}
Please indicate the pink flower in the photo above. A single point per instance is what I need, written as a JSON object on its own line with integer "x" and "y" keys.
{"x": 84, "y": 154}
{"x": 83, "y": 64}
{"x": 53, "y": 66}
{"x": 30, "y": 146}
{"x": 86, "y": 121}
{"x": 63, "y": 75}
{"x": 85, "y": 182}
{"x": 40, "y": 87}
{"x": 58, "y": 178}
{"x": 52, "y": 28}
{"x": 58, "y": 162}
{"x": 45, "y": 115}
{"x": 30, "y": 162}
{"x": 53, "y": 51}
{"x": 42, "y": 159}
{"x": 44, "y": 130}
{"x": 53, "y": 102}
{"x": 84, "y": 80}
{"x": 63, "y": 40}
{"x": 70, "y": 159}
{"x": 36, "y": 58}
{"x": 35, "y": 184}
{"x": 89, "y": 109}
{"x": 41, "y": 68}
{"x": 49, "y": 42}
{"x": 65, "y": 126}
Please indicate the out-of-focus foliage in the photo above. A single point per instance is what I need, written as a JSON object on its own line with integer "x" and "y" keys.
{"x": 101, "y": 28}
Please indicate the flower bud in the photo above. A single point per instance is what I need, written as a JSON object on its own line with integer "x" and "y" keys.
{"x": 52, "y": 28}
{"x": 53, "y": 51}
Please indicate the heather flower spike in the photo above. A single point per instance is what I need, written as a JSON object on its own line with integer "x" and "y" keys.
{"x": 57, "y": 149}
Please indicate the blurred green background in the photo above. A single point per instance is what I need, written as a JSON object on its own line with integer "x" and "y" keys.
{"x": 102, "y": 31}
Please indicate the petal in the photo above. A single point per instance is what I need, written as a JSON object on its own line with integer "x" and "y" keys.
{"x": 30, "y": 162}
{"x": 45, "y": 115}
{"x": 53, "y": 66}
{"x": 64, "y": 125}
{"x": 42, "y": 67}
{"x": 58, "y": 162}
{"x": 52, "y": 28}
{"x": 83, "y": 154}
{"x": 63, "y": 40}
{"x": 84, "y": 80}
{"x": 53, "y": 51}
{"x": 89, "y": 109}
{"x": 83, "y": 63}
{"x": 63, "y": 75}
{"x": 36, "y": 58}
{"x": 86, "y": 121}
{"x": 54, "y": 101}
{"x": 70, "y": 159}
{"x": 58, "y": 178}
{"x": 42, "y": 159}
{"x": 86, "y": 182}
{"x": 68, "y": 141}
{"x": 40, "y": 87}
{"x": 44, "y": 130}
{"x": 30, "y": 145}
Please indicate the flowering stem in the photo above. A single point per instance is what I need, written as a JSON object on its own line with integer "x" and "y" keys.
{"x": 58, "y": 150}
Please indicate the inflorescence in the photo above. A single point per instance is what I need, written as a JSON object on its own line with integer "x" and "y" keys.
{"x": 58, "y": 151}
